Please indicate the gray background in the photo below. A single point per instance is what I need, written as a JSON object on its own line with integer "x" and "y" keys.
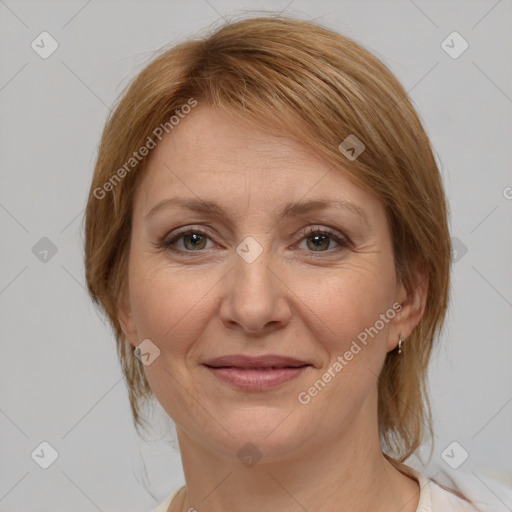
{"x": 60, "y": 381}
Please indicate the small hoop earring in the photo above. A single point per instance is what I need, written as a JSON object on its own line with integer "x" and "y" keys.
{"x": 400, "y": 342}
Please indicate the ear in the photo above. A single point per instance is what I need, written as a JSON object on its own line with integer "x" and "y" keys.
{"x": 411, "y": 312}
{"x": 125, "y": 317}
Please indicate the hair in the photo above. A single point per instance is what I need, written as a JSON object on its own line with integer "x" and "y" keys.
{"x": 315, "y": 85}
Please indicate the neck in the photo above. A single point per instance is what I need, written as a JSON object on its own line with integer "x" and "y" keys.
{"x": 349, "y": 473}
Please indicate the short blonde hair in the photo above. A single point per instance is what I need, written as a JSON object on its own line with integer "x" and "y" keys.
{"x": 299, "y": 78}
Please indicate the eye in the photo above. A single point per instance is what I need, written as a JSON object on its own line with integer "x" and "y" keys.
{"x": 319, "y": 240}
{"x": 193, "y": 240}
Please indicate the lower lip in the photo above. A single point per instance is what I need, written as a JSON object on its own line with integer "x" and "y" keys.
{"x": 256, "y": 379}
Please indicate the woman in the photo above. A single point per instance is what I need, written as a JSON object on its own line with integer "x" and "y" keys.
{"x": 267, "y": 233}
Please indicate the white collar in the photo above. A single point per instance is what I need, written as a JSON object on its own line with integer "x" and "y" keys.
{"x": 425, "y": 501}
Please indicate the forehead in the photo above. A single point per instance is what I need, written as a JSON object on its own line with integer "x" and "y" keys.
{"x": 212, "y": 155}
{"x": 211, "y": 139}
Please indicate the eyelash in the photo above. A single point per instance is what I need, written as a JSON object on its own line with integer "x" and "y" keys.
{"x": 338, "y": 238}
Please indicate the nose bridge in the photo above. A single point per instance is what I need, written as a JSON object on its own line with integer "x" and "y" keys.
{"x": 254, "y": 295}
{"x": 252, "y": 268}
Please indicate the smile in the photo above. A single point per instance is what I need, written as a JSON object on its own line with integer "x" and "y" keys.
{"x": 256, "y": 379}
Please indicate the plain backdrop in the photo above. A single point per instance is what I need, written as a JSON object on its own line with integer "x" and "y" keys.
{"x": 60, "y": 382}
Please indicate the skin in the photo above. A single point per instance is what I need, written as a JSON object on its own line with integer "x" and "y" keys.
{"x": 295, "y": 299}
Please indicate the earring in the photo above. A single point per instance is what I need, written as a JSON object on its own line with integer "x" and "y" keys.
{"x": 400, "y": 341}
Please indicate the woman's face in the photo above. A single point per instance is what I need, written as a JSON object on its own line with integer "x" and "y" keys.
{"x": 251, "y": 279}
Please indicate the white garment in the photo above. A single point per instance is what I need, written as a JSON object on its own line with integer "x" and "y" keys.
{"x": 433, "y": 498}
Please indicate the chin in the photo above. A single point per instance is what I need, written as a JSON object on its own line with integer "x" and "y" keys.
{"x": 256, "y": 433}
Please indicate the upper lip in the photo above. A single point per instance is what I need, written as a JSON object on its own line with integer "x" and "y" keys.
{"x": 243, "y": 361}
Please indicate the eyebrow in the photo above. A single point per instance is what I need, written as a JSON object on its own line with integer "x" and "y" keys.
{"x": 295, "y": 208}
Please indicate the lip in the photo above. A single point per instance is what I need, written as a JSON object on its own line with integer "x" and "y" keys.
{"x": 257, "y": 379}
{"x": 256, "y": 373}
{"x": 244, "y": 362}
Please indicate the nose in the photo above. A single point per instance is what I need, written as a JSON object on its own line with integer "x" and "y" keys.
{"x": 256, "y": 297}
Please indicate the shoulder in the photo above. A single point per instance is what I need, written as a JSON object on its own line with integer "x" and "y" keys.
{"x": 485, "y": 496}
{"x": 445, "y": 500}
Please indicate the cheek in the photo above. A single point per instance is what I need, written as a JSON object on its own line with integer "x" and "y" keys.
{"x": 172, "y": 309}
{"x": 342, "y": 317}
{"x": 171, "y": 306}
{"x": 347, "y": 306}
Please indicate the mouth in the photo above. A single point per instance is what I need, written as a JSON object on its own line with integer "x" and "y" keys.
{"x": 262, "y": 368}
{"x": 243, "y": 361}
{"x": 257, "y": 378}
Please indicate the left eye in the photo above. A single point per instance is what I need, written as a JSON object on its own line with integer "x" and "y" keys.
{"x": 320, "y": 239}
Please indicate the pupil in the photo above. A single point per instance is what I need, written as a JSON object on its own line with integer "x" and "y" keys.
{"x": 195, "y": 239}
{"x": 320, "y": 239}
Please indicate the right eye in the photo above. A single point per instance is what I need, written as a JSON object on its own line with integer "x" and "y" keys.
{"x": 194, "y": 240}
